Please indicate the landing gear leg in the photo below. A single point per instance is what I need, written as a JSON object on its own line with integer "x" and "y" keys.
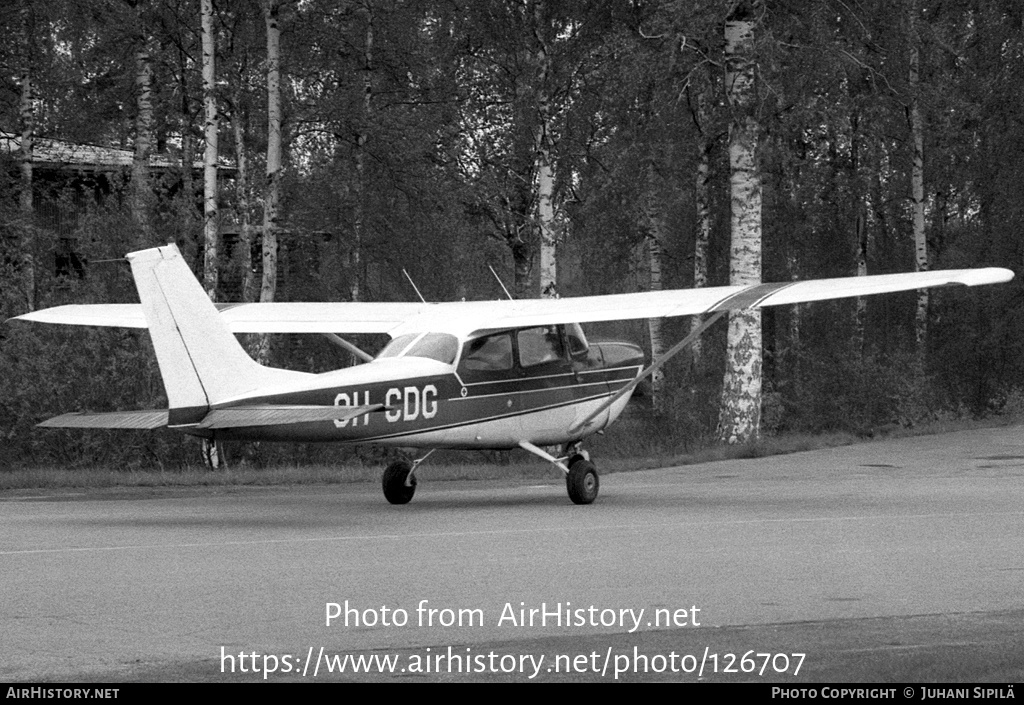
{"x": 580, "y": 474}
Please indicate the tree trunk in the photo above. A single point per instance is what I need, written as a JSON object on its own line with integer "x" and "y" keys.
{"x": 25, "y": 199}
{"x": 861, "y": 314}
{"x": 273, "y": 183}
{"x": 543, "y": 164}
{"x": 244, "y": 245}
{"x": 546, "y": 217}
{"x": 860, "y": 231}
{"x": 211, "y": 127}
{"x": 522, "y": 261}
{"x": 917, "y": 186}
{"x": 655, "y": 238}
{"x": 359, "y": 212}
{"x": 141, "y": 192}
{"x": 740, "y": 416}
{"x": 188, "y": 158}
{"x": 702, "y": 199}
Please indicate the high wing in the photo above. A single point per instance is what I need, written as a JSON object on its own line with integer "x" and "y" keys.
{"x": 469, "y": 317}
{"x": 250, "y": 318}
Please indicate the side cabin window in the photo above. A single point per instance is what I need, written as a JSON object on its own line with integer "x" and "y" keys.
{"x": 538, "y": 346}
{"x": 491, "y": 353}
{"x": 537, "y": 351}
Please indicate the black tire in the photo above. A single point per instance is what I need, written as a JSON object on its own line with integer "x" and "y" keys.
{"x": 581, "y": 482}
{"x": 393, "y": 482}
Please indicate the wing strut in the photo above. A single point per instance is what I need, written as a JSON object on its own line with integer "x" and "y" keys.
{"x": 342, "y": 343}
{"x": 654, "y": 367}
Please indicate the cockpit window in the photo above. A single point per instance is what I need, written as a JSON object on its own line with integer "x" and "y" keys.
{"x": 539, "y": 345}
{"x": 396, "y": 346}
{"x": 435, "y": 346}
{"x": 489, "y": 353}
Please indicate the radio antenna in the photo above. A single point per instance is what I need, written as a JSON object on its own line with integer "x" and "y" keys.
{"x": 415, "y": 288}
{"x": 500, "y": 283}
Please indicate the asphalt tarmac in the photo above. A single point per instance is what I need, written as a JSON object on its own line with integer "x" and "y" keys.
{"x": 898, "y": 560}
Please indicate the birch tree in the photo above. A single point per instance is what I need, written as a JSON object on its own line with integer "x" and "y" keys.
{"x": 917, "y": 182}
{"x": 27, "y": 114}
{"x": 359, "y": 157}
{"x": 244, "y": 246}
{"x": 652, "y": 213}
{"x": 544, "y": 165}
{"x": 519, "y": 65}
{"x": 272, "y": 194}
{"x": 740, "y": 414}
{"x": 240, "y": 41}
{"x": 702, "y": 97}
{"x": 141, "y": 193}
{"x": 211, "y": 128}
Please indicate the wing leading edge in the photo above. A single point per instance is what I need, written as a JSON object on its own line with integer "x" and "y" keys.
{"x": 467, "y": 317}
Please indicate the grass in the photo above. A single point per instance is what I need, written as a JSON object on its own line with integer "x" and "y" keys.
{"x": 618, "y": 451}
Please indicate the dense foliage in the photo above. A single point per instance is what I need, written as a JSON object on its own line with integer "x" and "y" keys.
{"x": 412, "y": 130}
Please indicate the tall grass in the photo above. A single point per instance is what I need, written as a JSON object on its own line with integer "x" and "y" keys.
{"x": 625, "y": 448}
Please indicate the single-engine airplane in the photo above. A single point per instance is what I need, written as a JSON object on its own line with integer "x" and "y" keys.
{"x": 486, "y": 375}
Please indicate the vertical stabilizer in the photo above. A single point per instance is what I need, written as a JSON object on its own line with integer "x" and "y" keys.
{"x": 200, "y": 360}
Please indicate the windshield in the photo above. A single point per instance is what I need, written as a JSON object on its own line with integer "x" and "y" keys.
{"x": 396, "y": 346}
{"x": 435, "y": 346}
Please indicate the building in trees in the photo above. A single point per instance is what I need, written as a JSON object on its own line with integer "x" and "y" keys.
{"x": 70, "y": 177}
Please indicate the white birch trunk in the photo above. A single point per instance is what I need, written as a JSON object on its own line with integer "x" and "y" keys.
{"x": 917, "y": 186}
{"x": 141, "y": 192}
{"x": 211, "y": 126}
{"x": 654, "y": 325}
{"x": 655, "y": 238}
{"x": 546, "y": 222}
{"x": 740, "y": 416}
{"x": 272, "y": 194}
{"x": 544, "y": 165}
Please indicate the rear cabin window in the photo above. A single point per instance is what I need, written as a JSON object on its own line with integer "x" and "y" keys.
{"x": 539, "y": 345}
{"x": 490, "y": 353}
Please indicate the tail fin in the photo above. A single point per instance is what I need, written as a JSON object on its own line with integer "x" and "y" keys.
{"x": 200, "y": 360}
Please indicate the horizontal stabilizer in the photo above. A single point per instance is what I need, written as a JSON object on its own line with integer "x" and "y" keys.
{"x": 140, "y": 420}
{"x": 266, "y": 415}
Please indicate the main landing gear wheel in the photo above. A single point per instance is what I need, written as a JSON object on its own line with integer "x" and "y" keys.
{"x": 581, "y": 482}
{"x": 393, "y": 482}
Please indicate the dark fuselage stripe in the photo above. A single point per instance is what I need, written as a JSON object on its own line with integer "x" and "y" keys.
{"x": 474, "y": 422}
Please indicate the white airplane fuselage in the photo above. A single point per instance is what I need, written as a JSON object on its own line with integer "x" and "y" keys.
{"x": 431, "y": 404}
